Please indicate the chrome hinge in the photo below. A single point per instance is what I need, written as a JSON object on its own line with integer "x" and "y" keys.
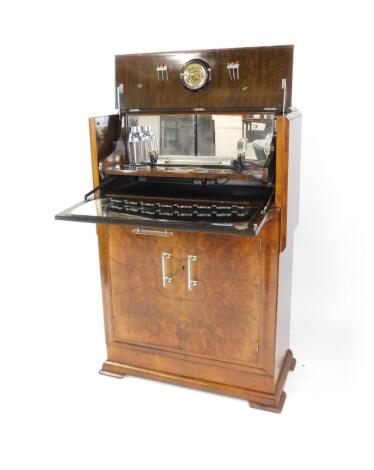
{"x": 284, "y": 88}
{"x": 119, "y": 93}
{"x": 257, "y": 347}
{"x": 267, "y": 205}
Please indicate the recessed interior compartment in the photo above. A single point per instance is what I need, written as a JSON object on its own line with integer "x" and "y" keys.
{"x": 213, "y": 172}
{"x": 231, "y": 145}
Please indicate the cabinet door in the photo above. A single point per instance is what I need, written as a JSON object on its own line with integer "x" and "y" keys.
{"x": 147, "y": 285}
{"x": 222, "y": 297}
{"x": 209, "y": 309}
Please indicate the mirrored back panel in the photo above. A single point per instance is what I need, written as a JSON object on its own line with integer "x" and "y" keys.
{"x": 204, "y": 138}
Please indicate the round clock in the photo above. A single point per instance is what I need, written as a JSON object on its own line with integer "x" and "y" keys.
{"x": 195, "y": 74}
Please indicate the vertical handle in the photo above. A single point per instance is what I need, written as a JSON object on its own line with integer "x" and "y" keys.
{"x": 165, "y": 278}
{"x": 190, "y": 282}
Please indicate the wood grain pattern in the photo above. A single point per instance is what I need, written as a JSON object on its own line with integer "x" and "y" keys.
{"x": 281, "y": 180}
{"x": 94, "y": 151}
{"x": 268, "y": 401}
{"x": 106, "y": 132}
{"x": 224, "y": 305}
{"x": 287, "y": 157}
{"x": 195, "y": 367}
{"x": 102, "y": 230}
{"x": 284, "y": 304}
{"x": 250, "y": 375}
{"x": 258, "y": 174}
{"x": 260, "y": 76}
{"x": 269, "y": 268}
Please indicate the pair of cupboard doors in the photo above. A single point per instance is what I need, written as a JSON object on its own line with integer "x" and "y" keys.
{"x": 196, "y": 294}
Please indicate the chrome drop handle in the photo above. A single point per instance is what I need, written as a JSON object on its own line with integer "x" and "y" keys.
{"x": 190, "y": 282}
{"x": 165, "y": 278}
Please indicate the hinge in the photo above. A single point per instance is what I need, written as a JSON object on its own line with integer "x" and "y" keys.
{"x": 284, "y": 88}
{"x": 257, "y": 346}
{"x": 119, "y": 93}
{"x": 267, "y": 205}
{"x": 260, "y": 245}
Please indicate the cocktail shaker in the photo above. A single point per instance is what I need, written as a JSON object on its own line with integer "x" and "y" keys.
{"x": 134, "y": 146}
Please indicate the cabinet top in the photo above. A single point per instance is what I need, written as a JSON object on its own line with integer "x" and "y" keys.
{"x": 225, "y": 79}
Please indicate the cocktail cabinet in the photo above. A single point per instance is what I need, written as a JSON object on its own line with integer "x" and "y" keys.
{"x": 195, "y": 200}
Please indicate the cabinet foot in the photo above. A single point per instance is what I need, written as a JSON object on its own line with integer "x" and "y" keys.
{"x": 273, "y": 408}
{"x": 257, "y": 398}
{"x": 111, "y": 374}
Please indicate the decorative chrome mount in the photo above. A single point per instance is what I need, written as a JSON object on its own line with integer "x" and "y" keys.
{"x": 233, "y": 68}
{"x": 161, "y": 68}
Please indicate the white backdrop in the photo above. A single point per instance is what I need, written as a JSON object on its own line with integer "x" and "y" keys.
{"x": 57, "y": 69}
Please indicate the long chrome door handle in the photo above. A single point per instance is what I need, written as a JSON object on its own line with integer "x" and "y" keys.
{"x": 190, "y": 282}
{"x": 165, "y": 278}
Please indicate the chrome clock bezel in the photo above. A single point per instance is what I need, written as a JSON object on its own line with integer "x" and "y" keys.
{"x": 202, "y": 81}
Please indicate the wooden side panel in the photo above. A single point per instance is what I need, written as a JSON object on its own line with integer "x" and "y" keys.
{"x": 288, "y": 172}
{"x": 284, "y": 305}
{"x": 294, "y": 159}
{"x": 104, "y": 131}
{"x": 260, "y": 76}
{"x": 287, "y": 198}
{"x": 106, "y": 284}
{"x": 98, "y": 142}
{"x": 281, "y": 181}
{"x": 94, "y": 152}
{"x": 269, "y": 245}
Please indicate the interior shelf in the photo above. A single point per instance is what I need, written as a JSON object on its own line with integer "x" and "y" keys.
{"x": 260, "y": 173}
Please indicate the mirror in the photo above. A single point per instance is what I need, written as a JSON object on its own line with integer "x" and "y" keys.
{"x": 211, "y": 137}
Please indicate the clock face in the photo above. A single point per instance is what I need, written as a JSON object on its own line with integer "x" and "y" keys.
{"x": 195, "y": 74}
